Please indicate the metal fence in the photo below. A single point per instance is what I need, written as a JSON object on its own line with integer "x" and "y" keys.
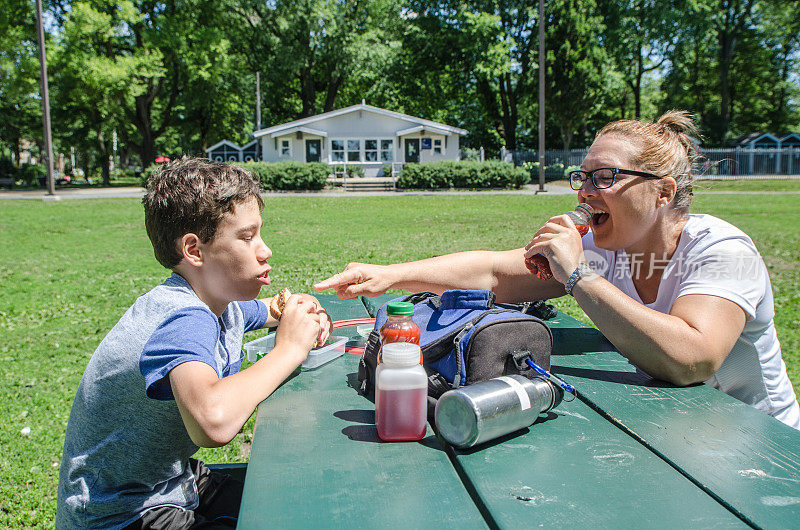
{"x": 715, "y": 163}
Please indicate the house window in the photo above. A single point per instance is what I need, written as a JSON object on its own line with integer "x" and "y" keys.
{"x": 370, "y": 150}
{"x": 286, "y": 148}
{"x": 375, "y": 149}
{"x": 337, "y": 150}
{"x": 387, "y": 150}
{"x": 437, "y": 146}
{"x": 353, "y": 150}
{"x": 362, "y": 150}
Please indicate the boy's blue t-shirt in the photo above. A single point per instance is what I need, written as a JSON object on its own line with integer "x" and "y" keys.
{"x": 126, "y": 448}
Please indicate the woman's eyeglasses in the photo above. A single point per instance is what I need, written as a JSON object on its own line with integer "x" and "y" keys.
{"x": 603, "y": 177}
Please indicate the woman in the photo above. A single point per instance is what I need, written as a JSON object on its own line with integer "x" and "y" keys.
{"x": 684, "y": 297}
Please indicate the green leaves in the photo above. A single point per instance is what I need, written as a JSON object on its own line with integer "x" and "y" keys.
{"x": 452, "y": 174}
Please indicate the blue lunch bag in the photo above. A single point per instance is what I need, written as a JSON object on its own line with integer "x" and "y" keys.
{"x": 466, "y": 338}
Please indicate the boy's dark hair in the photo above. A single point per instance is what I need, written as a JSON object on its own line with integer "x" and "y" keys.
{"x": 191, "y": 195}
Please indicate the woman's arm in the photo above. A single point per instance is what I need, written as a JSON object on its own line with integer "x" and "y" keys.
{"x": 686, "y": 346}
{"x": 503, "y": 272}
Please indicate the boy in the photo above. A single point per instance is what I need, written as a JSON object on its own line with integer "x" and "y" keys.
{"x": 166, "y": 378}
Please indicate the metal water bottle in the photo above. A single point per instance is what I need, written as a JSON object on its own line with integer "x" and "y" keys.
{"x": 480, "y": 412}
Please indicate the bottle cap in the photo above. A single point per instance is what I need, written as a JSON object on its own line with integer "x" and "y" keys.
{"x": 401, "y": 353}
{"x": 400, "y": 308}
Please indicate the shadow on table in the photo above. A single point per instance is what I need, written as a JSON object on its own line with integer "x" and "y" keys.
{"x": 579, "y": 340}
{"x": 367, "y": 432}
{"x": 510, "y": 436}
{"x": 637, "y": 378}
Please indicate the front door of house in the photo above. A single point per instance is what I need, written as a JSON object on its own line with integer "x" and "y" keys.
{"x": 313, "y": 150}
{"x": 412, "y": 150}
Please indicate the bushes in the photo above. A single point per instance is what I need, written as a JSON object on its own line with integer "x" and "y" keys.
{"x": 31, "y": 174}
{"x": 7, "y": 169}
{"x": 289, "y": 175}
{"x": 355, "y": 171}
{"x": 276, "y": 176}
{"x": 555, "y": 171}
{"x": 152, "y": 168}
{"x": 462, "y": 174}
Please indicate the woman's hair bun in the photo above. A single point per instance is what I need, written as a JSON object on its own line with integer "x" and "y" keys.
{"x": 678, "y": 121}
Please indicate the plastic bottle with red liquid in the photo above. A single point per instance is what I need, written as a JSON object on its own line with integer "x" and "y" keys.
{"x": 582, "y": 217}
{"x": 401, "y": 394}
{"x": 399, "y": 326}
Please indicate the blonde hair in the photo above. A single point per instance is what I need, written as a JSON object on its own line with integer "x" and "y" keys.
{"x": 665, "y": 149}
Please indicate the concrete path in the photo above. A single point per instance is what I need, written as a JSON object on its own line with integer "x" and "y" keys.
{"x": 552, "y": 188}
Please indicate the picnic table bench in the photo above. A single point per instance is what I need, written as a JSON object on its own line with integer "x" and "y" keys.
{"x": 631, "y": 451}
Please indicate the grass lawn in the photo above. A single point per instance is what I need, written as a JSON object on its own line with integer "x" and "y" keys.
{"x": 787, "y": 184}
{"x": 68, "y": 270}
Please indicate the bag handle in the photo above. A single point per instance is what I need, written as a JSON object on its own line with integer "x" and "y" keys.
{"x": 524, "y": 357}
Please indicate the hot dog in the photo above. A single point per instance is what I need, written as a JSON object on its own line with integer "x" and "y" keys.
{"x": 278, "y": 302}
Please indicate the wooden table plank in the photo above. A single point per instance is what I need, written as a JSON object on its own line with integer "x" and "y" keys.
{"x": 374, "y": 303}
{"x": 316, "y": 460}
{"x": 342, "y": 309}
{"x": 745, "y": 458}
{"x": 577, "y": 470}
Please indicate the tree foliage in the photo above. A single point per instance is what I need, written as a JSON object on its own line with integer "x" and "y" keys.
{"x": 176, "y": 76}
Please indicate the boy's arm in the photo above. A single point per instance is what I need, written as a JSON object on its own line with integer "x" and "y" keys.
{"x": 214, "y": 409}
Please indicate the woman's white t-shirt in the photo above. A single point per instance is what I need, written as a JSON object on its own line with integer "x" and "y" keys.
{"x": 716, "y": 258}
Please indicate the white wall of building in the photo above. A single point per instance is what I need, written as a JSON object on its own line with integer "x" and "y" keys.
{"x": 364, "y": 129}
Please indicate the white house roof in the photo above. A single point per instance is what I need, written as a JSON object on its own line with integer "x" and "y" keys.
{"x": 414, "y": 121}
{"x": 220, "y": 144}
{"x": 291, "y": 130}
{"x": 429, "y": 128}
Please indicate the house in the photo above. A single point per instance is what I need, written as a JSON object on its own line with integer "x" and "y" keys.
{"x": 781, "y": 155}
{"x": 251, "y": 151}
{"x": 790, "y": 141}
{"x": 757, "y": 141}
{"x": 361, "y": 135}
{"x": 225, "y": 151}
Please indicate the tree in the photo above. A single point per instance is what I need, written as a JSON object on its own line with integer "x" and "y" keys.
{"x": 637, "y": 37}
{"x": 98, "y": 70}
{"x": 309, "y": 50}
{"x": 781, "y": 30}
{"x": 576, "y": 65}
{"x": 20, "y": 106}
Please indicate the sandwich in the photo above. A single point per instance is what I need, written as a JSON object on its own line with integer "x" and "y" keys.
{"x": 278, "y": 302}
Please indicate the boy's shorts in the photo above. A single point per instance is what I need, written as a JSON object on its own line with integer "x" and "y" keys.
{"x": 220, "y": 497}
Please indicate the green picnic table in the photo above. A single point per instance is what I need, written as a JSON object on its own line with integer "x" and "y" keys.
{"x": 629, "y": 452}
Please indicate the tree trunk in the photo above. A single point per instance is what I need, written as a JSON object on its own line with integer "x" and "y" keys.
{"x": 104, "y": 150}
{"x": 490, "y": 104}
{"x": 17, "y": 151}
{"x": 509, "y": 112}
{"x": 727, "y": 45}
{"x": 637, "y": 87}
{"x": 148, "y": 150}
{"x": 334, "y": 83}
{"x": 566, "y": 137}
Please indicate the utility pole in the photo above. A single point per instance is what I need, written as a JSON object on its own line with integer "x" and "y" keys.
{"x": 48, "y": 139}
{"x": 541, "y": 95}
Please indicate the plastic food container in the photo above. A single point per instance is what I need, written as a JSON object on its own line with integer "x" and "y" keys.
{"x": 365, "y": 329}
{"x": 333, "y": 348}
